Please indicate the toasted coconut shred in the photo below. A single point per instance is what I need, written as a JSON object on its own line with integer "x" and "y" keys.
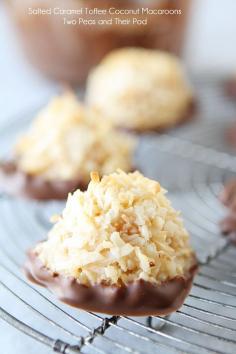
{"x": 139, "y": 88}
{"x": 67, "y": 141}
{"x": 123, "y": 228}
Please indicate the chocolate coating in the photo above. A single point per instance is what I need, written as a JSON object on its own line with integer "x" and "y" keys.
{"x": 228, "y": 227}
{"x": 228, "y": 198}
{"x": 17, "y": 183}
{"x": 228, "y": 195}
{"x": 231, "y": 135}
{"x": 230, "y": 88}
{"x": 140, "y": 298}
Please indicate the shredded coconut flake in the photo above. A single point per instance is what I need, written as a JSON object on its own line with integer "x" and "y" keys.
{"x": 139, "y": 89}
{"x": 67, "y": 141}
{"x": 123, "y": 228}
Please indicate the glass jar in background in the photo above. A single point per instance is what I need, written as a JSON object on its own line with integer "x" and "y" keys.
{"x": 66, "y": 52}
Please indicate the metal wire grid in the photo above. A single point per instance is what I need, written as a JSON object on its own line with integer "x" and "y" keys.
{"x": 206, "y": 322}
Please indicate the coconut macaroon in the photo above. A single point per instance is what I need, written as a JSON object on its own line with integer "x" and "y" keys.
{"x": 118, "y": 247}
{"x": 230, "y": 86}
{"x": 64, "y": 143}
{"x": 228, "y": 198}
{"x": 140, "y": 89}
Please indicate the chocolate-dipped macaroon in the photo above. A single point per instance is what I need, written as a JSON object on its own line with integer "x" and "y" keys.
{"x": 230, "y": 87}
{"x": 230, "y": 135}
{"x": 64, "y": 143}
{"x": 141, "y": 90}
{"x": 118, "y": 248}
{"x": 228, "y": 198}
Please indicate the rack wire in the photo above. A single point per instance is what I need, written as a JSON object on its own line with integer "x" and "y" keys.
{"x": 193, "y": 162}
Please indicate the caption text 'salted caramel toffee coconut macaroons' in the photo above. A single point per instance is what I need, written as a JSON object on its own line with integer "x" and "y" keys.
{"x": 118, "y": 248}
{"x": 65, "y": 142}
{"x": 140, "y": 89}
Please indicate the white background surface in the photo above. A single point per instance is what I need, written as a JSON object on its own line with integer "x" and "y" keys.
{"x": 211, "y": 39}
{"x": 210, "y": 48}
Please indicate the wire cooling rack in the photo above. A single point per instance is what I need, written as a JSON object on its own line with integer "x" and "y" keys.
{"x": 192, "y": 162}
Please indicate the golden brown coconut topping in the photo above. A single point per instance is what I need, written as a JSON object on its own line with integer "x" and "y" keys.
{"x": 67, "y": 141}
{"x": 140, "y": 89}
{"x": 123, "y": 228}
